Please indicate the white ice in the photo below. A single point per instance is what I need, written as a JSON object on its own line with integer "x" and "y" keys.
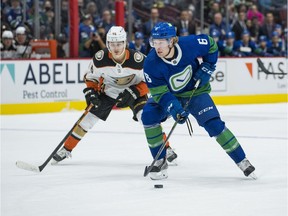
{"x": 105, "y": 175}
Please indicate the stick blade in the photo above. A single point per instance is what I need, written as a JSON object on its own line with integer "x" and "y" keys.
{"x": 26, "y": 166}
{"x": 146, "y": 171}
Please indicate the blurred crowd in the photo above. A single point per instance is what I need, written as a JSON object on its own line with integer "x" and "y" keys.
{"x": 253, "y": 28}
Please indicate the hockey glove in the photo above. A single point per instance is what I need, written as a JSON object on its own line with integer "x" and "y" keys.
{"x": 128, "y": 97}
{"x": 177, "y": 112}
{"x": 204, "y": 73}
{"x": 92, "y": 96}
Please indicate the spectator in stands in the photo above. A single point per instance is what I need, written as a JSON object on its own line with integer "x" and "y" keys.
{"x": 64, "y": 16}
{"x": 8, "y": 51}
{"x": 214, "y": 8}
{"x": 253, "y": 27}
{"x": 15, "y": 14}
{"x": 96, "y": 42}
{"x": 22, "y": 43}
{"x": 4, "y": 24}
{"x": 219, "y": 25}
{"x": 275, "y": 48}
{"x": 285, "y": 43}
{"x": 185, "y": 22}
{"x": 240, "y": 25}
{"x": 215, "y": 34}
{"x": 278, "y": 28}
{"x": 245, "y": 47}
{"x": 148, "y": 26}
{"x": 262, "y": 47}
{"x": 184, "y": 32}
{"x": 47, "y": 26}
{"x": 138, "y": 43}
{"x": 61, "y": 49}
{"x": 226, "y": 48}
{"x": 253, "y": 12}
{"x": 268, "y": 27}
{"x": 86, "y": 29}
{"x": 106, "y": 21}
{"x": 91, "y": 8}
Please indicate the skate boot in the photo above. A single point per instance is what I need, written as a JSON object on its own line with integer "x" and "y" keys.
{"x": 171, "y": 156}
{"x": 159, "y": 170}
{"x": 247, "y": 168}
{"x": 61, "y": 155}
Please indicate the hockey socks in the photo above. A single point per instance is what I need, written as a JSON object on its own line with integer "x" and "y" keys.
{"x": 229, "y": 143}
{"x": 77, "y": 134}
{"x": 154, "y": 136}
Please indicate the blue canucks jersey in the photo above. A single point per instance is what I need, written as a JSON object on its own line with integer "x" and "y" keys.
{"x": 176, "y": 75}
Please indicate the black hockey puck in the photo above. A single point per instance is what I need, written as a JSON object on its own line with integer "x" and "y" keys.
{"x": 158, "y": 186}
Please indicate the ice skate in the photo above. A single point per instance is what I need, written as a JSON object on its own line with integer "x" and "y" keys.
{"x": 171, "y": 156}
{"x": 61, "y": 155}
{"x": 247, "y": 168}
{"x": 159, "y": 170}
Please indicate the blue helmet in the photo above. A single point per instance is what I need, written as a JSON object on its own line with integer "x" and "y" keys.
{"x": 163, "y": 30}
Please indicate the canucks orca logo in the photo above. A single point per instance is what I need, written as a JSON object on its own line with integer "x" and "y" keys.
{"x": 179, "y": 81}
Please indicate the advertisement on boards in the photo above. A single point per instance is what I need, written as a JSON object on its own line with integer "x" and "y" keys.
{"x": 42, "y": 81}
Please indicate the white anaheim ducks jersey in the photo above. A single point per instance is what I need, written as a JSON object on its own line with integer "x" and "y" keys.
{"x": 116, "y": 77}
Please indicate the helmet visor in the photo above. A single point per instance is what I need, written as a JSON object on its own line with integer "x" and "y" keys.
{"x": 159, "y": 43}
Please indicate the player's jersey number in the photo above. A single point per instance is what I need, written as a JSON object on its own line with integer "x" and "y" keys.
{"x": 202, "y": 41}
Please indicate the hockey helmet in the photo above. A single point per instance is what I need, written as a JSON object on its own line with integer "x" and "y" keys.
{"x": 116, "y": 34}
{"x": 163, "y": 30}
{"x": 7, "y": 34}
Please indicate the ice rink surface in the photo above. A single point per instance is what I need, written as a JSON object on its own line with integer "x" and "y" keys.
{"x": 105, "y": 175}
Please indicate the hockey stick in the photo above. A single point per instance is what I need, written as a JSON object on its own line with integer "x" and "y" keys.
{"x": 30, "y": 167}
{"x": 149, "y": 168}
{"x": 265, "y": 70}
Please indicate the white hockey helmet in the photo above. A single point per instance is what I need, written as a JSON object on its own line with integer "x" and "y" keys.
{"x": 116, "y": 34}
{"x": 20, "y": 30}
{"x": 7, "y": 34}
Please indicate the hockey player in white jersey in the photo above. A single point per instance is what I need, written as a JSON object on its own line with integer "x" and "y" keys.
{"x": 114, "y": 77}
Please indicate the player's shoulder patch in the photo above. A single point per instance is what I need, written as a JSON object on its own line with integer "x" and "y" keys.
{"x": 99, "y": 55}
{"x": 138, "y": 57}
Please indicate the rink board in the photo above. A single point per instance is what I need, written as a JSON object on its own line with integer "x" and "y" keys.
{"x": 37, "y": 86}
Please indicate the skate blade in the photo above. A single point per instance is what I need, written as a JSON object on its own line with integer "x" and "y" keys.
{"x": 54, "y": 162}
{"x": 173, "y": 163}
{"x": 159, "y": 175}
{"x": 253, "y": 176}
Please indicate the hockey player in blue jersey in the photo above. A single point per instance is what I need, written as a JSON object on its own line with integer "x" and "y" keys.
{"x": 171, "y": 70}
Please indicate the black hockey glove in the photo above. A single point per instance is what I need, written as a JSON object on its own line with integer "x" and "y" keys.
{"x": 92, "y": 96}
{"x": 128, "y": 97}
